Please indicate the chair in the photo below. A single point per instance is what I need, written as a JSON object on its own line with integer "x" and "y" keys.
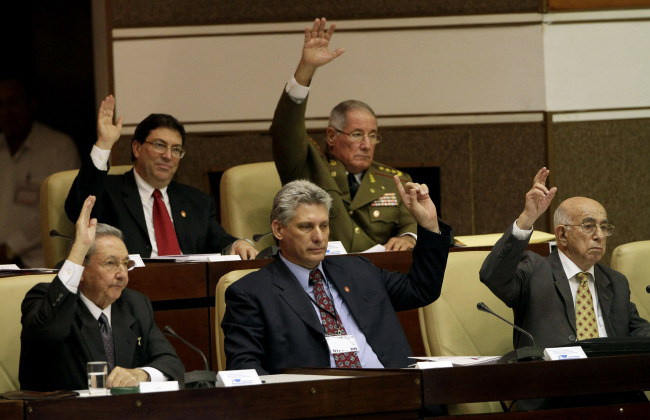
{"x": 54, "y": 191}
{"x": 452, "y": 326}
{"x": 220, "y": 309}
{"x": 246, "y": 195}
{"x": 632, "y": 260}
{"x": 12, "y": 292}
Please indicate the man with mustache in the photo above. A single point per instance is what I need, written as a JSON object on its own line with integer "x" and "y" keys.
{"x": 366, "y": 209}
{"x": 63, "y": 320}
{"x": 157, "y": 215}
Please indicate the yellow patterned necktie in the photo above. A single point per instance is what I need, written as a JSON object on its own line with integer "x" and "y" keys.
{"x": 586, "y": 324}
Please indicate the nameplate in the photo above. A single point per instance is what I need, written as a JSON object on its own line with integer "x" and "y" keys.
{"x": 158, "y": 386}
{"x": 240, "y": 377}
{"x": 564, "y": 353}
{"x": 433, "y": 365}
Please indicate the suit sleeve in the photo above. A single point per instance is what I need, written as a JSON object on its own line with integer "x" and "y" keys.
{"x": 244, "y": 331}
{"x": 48, "y": 311}
{"x": 89, "y": 181}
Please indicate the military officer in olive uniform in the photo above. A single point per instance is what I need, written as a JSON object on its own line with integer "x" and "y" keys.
{"x": 366, "y": 209}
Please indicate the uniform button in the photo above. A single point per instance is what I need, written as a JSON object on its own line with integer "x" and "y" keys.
{"x": 351, "y": 212}
{"x": 572, "y": 338}
{"x": 333, "y": 173}
{"x": 372, "y": 190}
{"x": 357, "y": 230}
{"x": 375, "y": 213}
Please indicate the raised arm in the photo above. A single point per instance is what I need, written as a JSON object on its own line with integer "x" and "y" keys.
{"x": 416, "y": 199}
{"x": 108, "y": 133}
{"x": 537, "y": 200}
{"x": 315, "y": 51}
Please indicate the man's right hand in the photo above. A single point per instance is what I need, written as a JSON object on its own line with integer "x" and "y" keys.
{"x": 107, "y": 132}
{"x": 315, "y": 51}
{"x": 84, "y": 232}
{"x": 537, "y": 200}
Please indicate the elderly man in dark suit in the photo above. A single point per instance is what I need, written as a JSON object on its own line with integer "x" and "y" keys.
{"x": 157, "y": 215}
{"x": 87, "y": 314}
{"x": 308, "y": 310}
{"x": 567, "y": 296}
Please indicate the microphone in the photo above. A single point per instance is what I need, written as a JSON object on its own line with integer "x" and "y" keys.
{"x": 56, "y": 234}
{"x": 523, "y": 353}
{"x": 198, "y": 378}
{"x": 258, "y": 236}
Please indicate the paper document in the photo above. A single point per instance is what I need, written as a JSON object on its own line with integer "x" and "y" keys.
{"x": 460, "y": 360}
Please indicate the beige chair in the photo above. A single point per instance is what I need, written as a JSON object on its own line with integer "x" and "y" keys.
{"x": 632, "y": 260}
{"x": 220, "y": 308}
{"x": 12, "y": 292}
{"x": 452, "y": 326}
{"x": 247, "y": 193}
{"x": 54, "y": 191}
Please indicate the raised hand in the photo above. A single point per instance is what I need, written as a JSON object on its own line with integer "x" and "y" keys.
{"x": 108, "y": 132}
{"x": 537, "y": 200}
{"x": 417, "y": 201}
{"x": 315, "y": 51}
{"x": 84, "y": 232}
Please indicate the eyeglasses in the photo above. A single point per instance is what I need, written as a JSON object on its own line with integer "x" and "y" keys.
{"x": 358, "y": 136}
{"x": 589, "y": 228}
{"x": 160, "y": 147}
{"x": 113, "y": 264}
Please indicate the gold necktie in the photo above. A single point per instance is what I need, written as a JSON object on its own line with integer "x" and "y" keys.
{"x": 586, "y": 324}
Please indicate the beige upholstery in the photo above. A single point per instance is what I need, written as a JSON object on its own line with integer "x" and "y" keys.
{"x": 220, "y": 308}
{"x": 633, "y": 261}
{"x": 54, "y": 191}
{"x": 12, "y": 292}
{"x": 247, "y": 193}
{"x": 452, "y": 326}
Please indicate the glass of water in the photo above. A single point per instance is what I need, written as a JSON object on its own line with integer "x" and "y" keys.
{"x": 97, "y": 374}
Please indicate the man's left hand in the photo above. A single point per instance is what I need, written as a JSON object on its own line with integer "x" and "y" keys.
{"x": 402, "y": 243}
{"x": 121, "y": 377}
{"x": 245, "y": 250}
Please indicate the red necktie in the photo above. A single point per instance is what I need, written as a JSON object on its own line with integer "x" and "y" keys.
{"x": 162, "y": 226}
{"x": 332, "y": 326}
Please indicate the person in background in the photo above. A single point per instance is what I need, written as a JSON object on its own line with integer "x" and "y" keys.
{"x": 87, "y": 314}
{"x": 366, "y": 208}
{"x": 30, "y": 151}
{"x": 157, "y": 215}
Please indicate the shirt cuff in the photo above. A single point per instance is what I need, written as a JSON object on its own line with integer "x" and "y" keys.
{"x": 70, "y": 275}
{"x": 520, "y": 233}
{"x": 409, "y": 234}
{"x": 297, "y": 92}
{"x": 100, "y": 158}
{"x": 154, "y": 374}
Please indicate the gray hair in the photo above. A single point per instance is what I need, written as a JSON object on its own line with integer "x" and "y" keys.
{"x": 103, "y": 230}
{"x": 561, "y": 216}
{"x": 339, "y": 117}
{"x": 295, "y": 193}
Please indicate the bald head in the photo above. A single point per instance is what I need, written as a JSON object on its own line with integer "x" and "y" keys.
{"x": 585, "y": 250}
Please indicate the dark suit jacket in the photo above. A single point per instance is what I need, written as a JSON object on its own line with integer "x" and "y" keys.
{"x": 270, "y": 323}
{"x": 538, "y": 291}
{"x": 376, "y": 213}
{"x": 60, "y": 336}
{"x": 118, "y": 204}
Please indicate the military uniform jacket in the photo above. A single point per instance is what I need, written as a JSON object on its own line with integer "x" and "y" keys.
{"x": 374, "y": 216}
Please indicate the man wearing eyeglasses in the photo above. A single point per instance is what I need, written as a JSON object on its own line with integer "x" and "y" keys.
{"x": 157, "y": 215}
{"x": 87, "y": 314}
{"x": 367, "y": 209}
{"x": 567, "y": 296}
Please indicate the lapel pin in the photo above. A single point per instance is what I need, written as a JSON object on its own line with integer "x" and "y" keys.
{"x": 347, "y": 289}
{"x": 183, "y": 214}
{"x": 139, "y": 341}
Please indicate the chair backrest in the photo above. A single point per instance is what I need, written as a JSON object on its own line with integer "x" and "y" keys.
{"x": 246, "y": 195}
{"x": 632, "y": 260}
{"x": 54, "y": 191}
{"x": 220, "y": 308}
{"x": 12, "y": 292}
{"x": 452, "y": 326}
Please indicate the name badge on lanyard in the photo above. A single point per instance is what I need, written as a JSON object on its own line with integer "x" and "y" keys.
{"x": 341, "y": 343}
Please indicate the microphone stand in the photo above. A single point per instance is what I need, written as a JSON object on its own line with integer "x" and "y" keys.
{"x": 197, "y": 378}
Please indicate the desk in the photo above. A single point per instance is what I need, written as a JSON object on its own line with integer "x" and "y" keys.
{"x": 183, "y": 297}
{"x": 371, "y": 397}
